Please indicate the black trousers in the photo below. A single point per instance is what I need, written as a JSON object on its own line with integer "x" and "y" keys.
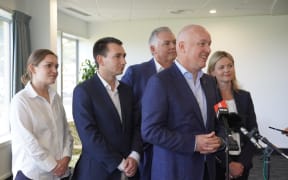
{"x": 206, "y": 173}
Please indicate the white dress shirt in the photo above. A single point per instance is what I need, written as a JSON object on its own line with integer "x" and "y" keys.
{"x": 40, "y": 134}
{"x": 159, "y": 68}
{"x": 114, "y": 95}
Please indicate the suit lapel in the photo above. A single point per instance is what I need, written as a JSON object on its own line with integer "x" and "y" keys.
{"x": 107, "y": 100}
{"x": 150, "y": 68}
{"x": 181, "y": 83}
{"x": 210, "y": 92}
{"x": 124, "y": 105}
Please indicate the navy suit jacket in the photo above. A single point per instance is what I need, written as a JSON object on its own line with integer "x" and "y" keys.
{"x": 171, "y": 117}
{"x": 137, "y": 77}
{"x": 105, "y": 140}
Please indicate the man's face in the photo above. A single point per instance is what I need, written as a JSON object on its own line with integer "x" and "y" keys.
{"x": 197, "y": 49}
{"x": 164, "y": 50}
{"x": 114, "y": 62}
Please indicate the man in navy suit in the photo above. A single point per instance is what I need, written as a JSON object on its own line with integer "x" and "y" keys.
{"x": 103, "y": 112}
{"x": 177, "y": 112}
{"x": 162, "y": 46}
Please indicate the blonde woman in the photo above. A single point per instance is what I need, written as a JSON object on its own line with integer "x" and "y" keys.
{"x": 221, "y": 65}
{"x": 41, "y": 140}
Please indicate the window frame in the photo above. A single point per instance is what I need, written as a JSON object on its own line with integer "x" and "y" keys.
{"x": 61, "y": 36}
{"x": 6, "y": 17}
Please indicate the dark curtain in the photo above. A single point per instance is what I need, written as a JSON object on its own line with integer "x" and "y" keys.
{"x": 21, "y": 48}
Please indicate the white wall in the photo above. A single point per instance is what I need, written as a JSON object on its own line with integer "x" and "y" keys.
{"x": 258, "y": 44}
{"x": 73, "y": 26}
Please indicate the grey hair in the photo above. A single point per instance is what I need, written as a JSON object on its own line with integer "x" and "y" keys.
{"x": 155, "y": 32}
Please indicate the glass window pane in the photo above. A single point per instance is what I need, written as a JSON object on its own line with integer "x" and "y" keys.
{"x": 4, "y": 76}
{"x": 69, "y": 73}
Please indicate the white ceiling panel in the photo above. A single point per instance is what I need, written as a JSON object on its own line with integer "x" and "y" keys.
{"x": 115, "y": 10}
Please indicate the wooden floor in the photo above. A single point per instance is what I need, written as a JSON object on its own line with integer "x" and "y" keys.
{"x": 278, "y": 167}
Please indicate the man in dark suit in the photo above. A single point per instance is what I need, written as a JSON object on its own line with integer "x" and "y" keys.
{"x": 177, "y": 112}
{"x": 162, "y": 46}
{"x": 104, "y": 116}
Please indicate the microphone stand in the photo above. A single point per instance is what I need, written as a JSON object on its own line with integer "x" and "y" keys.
{"x": 227, "y": 154}
{"x": 227, "y": 132}
{"x": 267, "y": 153}
{"x": 267, "y": 162}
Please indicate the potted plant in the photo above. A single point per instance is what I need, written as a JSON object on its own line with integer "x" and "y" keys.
{"x": 88, "y": 69}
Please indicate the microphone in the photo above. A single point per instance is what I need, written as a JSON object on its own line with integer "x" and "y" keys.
{"x": 268, "y": 143}
{"x": 222, "y": 114}
{"x": 221, "y": 109}
{"x": 235, "y": 121}
{"x": 250, "y": 135}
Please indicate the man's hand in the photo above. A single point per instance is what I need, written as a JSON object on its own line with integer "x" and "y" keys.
{"x": 207, "y": 143}
{"x": 286, "y": 131}
{"x": 236, "y": 169}
{"x": 130, "y": 167}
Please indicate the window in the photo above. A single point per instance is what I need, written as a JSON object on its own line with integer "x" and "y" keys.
{"x": 5, "y": 70}
{"x": 68, "y": 71}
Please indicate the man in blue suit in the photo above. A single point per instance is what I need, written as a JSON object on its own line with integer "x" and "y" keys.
{"x": 104, "y": 116}
{"x": 162, "y": 44}
{"x": 177, "y": 113}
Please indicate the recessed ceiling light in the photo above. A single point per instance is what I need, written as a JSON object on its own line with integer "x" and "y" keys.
{"x": 212, "y": 11}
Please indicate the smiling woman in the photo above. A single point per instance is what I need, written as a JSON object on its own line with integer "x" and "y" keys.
{"x": 37, "y": 117}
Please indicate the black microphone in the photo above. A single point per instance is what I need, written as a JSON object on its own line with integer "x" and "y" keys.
{"x": 222, "y": 114}
{"x": 236, "y": 123}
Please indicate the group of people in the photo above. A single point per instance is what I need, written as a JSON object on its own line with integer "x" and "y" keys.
{"x": 157, "y": 122}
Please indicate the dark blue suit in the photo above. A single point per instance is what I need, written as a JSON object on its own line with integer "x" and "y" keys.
{"x": 245, "y": 108}
{"x": 137, "y": 77}
{"x": 171, "y": 117}
{"x": 105, "y": 140}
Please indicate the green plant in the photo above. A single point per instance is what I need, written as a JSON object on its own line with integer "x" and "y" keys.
{"x": 88, "y": 69}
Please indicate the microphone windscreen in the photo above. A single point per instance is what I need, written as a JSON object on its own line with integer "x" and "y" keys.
{"x": 235, "y": 121}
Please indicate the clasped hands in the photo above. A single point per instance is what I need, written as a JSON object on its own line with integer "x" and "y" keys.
{"x": 207, "y": 143}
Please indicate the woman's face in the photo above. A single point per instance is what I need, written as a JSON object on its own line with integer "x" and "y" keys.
{"x": 224, "y": 70}
{"x": 46, "y": 71}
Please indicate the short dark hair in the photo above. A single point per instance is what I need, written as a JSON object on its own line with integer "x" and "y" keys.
{"x": 100, "y": 46}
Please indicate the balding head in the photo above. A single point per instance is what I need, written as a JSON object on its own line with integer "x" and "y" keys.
{"x": 193, "y": 47}
{"x": 189, "y": 32}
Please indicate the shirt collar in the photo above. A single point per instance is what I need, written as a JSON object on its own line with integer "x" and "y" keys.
{"x": 105, "y": 84}
{"x": 32, "y": 93}
{"x": 158, "y": 66}
{"x": 186, "y": 73}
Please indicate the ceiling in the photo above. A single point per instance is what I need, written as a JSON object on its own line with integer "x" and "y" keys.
{"x": 127, "y": 10}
